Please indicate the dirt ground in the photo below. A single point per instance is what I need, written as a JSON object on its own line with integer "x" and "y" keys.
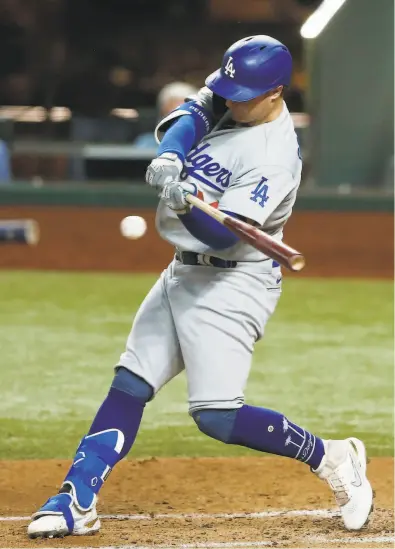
{"x": 177, "y": 503}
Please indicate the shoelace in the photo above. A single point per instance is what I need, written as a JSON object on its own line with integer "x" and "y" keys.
{"x": 339, "y": 488}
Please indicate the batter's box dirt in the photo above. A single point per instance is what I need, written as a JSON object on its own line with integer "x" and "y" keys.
{"x": 187, "y": 503}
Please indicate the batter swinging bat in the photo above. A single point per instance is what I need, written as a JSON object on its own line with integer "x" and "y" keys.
{"x": 21, "y": 231}
{"x": 280, "y": 252}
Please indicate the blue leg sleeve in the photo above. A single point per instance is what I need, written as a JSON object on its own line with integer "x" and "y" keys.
{"x": 261, "y": 429}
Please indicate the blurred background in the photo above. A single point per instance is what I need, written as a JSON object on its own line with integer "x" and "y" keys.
{"x": 84, "y": 82}
{"x": 89, "y": 71}
{"x": 77, "y": 74}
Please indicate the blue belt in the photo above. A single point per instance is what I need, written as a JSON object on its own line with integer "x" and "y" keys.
{"x": 192, "y": 258}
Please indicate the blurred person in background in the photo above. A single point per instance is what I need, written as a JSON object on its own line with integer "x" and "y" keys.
{"x": 6, "y": 137}
{"x": 5, "y": 163}
{"x": 169, "y": 98}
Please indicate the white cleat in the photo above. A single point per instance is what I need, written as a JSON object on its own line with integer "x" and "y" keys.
{"x": 344, "y": 468}
{"x": 61, "y": 517}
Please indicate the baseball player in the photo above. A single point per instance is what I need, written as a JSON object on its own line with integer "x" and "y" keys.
{"x": 235, "y": 146}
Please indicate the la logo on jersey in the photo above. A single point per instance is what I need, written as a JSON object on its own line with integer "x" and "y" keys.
{"x": 229, "y": 69}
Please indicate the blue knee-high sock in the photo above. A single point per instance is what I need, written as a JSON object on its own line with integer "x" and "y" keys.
{"x": 121, "y": 411}
{"x": 123, "y": 408}
{"x": 269, "y": 431}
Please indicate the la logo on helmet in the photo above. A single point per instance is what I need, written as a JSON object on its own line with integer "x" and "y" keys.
{"x": 229, "y": 69}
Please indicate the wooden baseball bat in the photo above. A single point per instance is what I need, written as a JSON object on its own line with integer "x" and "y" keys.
{"x": 280, "y": 252}
{"x": 19, "y": 231}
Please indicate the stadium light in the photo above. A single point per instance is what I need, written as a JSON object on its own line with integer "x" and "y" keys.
{"x": 320, "y": 18}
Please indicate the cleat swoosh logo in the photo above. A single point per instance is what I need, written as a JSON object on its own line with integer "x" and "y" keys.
{"x": 357, "y": 482}
{"x": 91, "y": 523}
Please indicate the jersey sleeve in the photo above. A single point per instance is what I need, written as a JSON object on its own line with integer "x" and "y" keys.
{"x": 200, "y": 106}
{"x": 257, "y": 193}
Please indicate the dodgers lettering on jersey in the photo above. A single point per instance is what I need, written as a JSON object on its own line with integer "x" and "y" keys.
{"x": 251, "y": 171}
{"x": 202, "y": 167}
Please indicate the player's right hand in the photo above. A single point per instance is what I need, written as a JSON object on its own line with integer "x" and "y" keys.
{"x": 163, "y": 170}
{"x": 173, "y": 195}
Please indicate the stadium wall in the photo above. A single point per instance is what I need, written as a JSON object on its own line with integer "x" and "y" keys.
{"x": 340, "y": 236}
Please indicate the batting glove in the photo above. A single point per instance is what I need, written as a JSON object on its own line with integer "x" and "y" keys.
{"x": 163, "y": 170}
{"x": 173, "y": 195}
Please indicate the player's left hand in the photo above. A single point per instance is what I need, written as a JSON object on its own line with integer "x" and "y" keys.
{"x": 162, "y": 170}
{"x": 173, "y": 195}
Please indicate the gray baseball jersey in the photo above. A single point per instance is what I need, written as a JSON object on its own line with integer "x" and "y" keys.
{"x": 251, "y": 171}
{"x": 207, "y": 319}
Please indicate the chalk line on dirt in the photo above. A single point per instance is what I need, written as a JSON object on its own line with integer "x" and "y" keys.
{"x": 243, "y": 544}
{"x": 326, "y": 513}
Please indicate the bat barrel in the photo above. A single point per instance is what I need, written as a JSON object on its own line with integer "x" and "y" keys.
{"x": 277, "y": 250}
{"x": 19, "y": 231}
{"x": 297, "y": 262}
{"x": 282, "y": 253}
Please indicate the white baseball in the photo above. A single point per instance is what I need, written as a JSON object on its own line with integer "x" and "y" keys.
{"x": 133, "y": 227}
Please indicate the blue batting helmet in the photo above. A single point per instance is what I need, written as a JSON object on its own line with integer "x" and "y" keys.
{"x": 251, "y": 67}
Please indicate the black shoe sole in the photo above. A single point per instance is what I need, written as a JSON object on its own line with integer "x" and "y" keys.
{"x": 47, "y": 535}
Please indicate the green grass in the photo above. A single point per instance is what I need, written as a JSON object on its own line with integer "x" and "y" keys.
{"x": 326, "y": 361}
